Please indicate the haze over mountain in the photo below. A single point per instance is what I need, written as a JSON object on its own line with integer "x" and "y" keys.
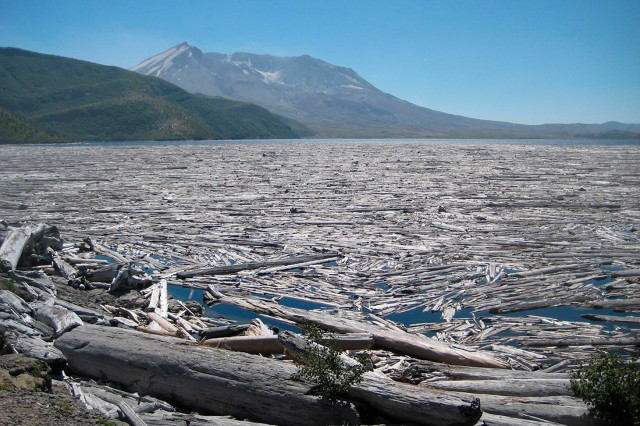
{"x": 45, "y": 98}
{"x": 335, "y": 101}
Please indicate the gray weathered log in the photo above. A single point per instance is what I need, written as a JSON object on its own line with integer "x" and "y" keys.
{"x": 410, "y": 344}
{"x": 272, "y": 345}
{"x": 65, "y": 269}
{"x": 612, "y": 318}
{"x": 403, "y": 402}
{"x": 59, "y": 318}
{"x": 33, "y": 347}
{"x": 223, "y": 331}
{"x": 235, "y": 268}
{"x": 618, "y": 303}
{"x": 565, "y": 410}
{"x": 597, "y": 341}
{"x": 15, "y": 243}
{"x": 208, "y": 380}
{"x": 507, "y": 387}
{"x": 12, "y": 303}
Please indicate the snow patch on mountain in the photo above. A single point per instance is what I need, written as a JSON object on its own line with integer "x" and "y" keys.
{"x": 164, "y": 61}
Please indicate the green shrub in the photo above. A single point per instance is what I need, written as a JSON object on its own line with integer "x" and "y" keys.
{"x": 321, "y": 364}
{"x": 611, "y": 388}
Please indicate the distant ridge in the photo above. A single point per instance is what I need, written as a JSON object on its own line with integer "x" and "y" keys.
{"x": 50, "y": 98}
{"x": 335, "y": 101}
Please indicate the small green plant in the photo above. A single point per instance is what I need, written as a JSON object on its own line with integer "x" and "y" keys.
{"x": 105, "y": 422}
{"x": 611, "y": 388}
{"x": 321, "y": 364}
{"x": 65, "y": 407}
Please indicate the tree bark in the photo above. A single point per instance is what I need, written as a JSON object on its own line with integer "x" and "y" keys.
{"x": 204, "y": 379}
{"x": 232, "y": 269}
{"x": 403, "y": 402}
{"x": 238, "y": 384}
{"x": 15, "y": 243}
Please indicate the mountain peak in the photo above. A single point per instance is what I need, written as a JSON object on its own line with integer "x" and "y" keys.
{"x": 333, "y": 100}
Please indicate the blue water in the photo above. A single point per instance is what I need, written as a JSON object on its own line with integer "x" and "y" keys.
{"x": 360, "y": 141}
{"x": 224, "y": 310}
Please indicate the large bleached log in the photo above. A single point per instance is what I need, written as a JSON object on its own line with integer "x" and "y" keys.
{"x": 507, "y": 387}
{"x": 234, "y": 383}
{"x": 271, "y": 345}
{"x": 15, "y": 243}
{"x": 208, "y": 380}
{"x": 232, "y": 269}
{"x": 33, "y": 347}
{"x": 565, "y": 410}
{"x": 426, "y": 370}
{"x": 58, "y": 318}
{"x": 407, "y": 403}
{"x": 249, "y": 344}
{"x": 596, "y": 341}
{"x": 411, "y": 344}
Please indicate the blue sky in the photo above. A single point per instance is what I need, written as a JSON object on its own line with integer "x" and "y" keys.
{"x": 531, "y": 62}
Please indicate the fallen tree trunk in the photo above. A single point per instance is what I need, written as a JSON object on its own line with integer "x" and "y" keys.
{"x": 411, "y": 344}
{"x": 237, "y": 267}
{"x": 214, "y": 381}
{"x": 617, "y": 303}
{"x": 271, "y": 345}
{"x": 225, "y": 382}
{"x": 404, "y": 402}
{"x": 612, "y": 318}
{"x": 596, "y": 341}
{"x": 427, "y": 370}
{"x": 59, "y": 318}
{"x": 15, "y": 243}
{"x": 507, "y": 387}
{"x": 565, "y": 410}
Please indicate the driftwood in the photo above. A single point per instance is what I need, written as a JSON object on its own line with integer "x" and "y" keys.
{"x": 33, "y": 347}
{"x": 614, "y": 304}
{"x": 612, "y": 318}
{"x": 619, "y": 341}
{"x": 223, "y": 331}
{"x": 58, "y": 318}
{"x": 221, "y": 382}
{"x": 379, "y": 391}
{"x": 272, "y": 344}
{"x": 226, "y": 382}
{"x": 415, "y": 345}
{"x": 235, "y": 268}
{"x": 15, "y": 243}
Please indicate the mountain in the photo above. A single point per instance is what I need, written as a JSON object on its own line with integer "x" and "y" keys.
{"x": 334, "y": 101}
{"x": 16, "y": 130}
{"x": 85, "y": 101}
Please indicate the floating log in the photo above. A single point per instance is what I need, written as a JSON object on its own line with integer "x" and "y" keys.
{"x": 598, "y": 341}
{"x": 402, "y": 342}
{"x": 237, "y": 267}
{"x": 612, "y": 318}
{"x": 616, "y": 304}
